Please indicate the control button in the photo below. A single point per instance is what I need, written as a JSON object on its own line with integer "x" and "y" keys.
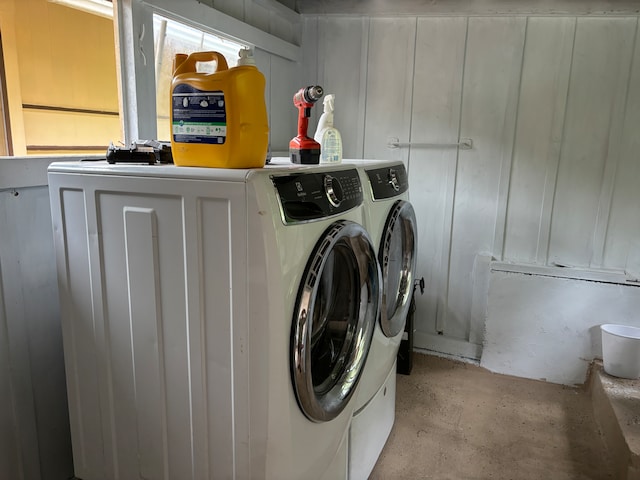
{"x": 333, "y": 190}
{"x": 393, "y": 179}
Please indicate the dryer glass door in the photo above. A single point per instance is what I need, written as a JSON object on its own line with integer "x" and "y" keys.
{"x": 334, "y": 320}
{"x": 397, "y": 256}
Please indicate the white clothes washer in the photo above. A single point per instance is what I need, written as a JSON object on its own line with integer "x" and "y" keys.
{"x": 391, "y": 222}
{"x": 215, "y": 322}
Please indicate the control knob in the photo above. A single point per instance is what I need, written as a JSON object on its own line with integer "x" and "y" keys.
{"x": 333, "y": 190}
{"x": 393, "y": 179}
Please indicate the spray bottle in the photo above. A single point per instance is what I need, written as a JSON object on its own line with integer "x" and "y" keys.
{"x": 327, "y": 135}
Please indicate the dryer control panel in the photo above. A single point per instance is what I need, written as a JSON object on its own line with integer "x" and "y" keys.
{"x": 387, "y": 182}
{"x": 311, "y": 196}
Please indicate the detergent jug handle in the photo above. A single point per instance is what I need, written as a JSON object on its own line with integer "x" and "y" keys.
{"x": 188, "y": 64}
{"x": 178, "y": 60}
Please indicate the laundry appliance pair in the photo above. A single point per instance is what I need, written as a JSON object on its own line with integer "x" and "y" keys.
{"x": 221, "y": 323}
{"x": 391, "y": 223}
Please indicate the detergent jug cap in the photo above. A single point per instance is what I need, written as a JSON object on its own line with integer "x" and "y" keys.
{"x": 246, "y": 57}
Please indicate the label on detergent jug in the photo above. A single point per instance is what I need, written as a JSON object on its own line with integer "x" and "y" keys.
{"x": 198, "y": 116}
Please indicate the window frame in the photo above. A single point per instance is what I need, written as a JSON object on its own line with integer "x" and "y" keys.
{"x": 133, "y": 27}
{"x": 135, "y": 57}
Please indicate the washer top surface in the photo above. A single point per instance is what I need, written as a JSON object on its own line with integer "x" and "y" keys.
{"x": 101, "y": 167}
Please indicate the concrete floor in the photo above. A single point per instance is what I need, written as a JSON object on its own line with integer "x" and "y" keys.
{"x": 458, "y": 421}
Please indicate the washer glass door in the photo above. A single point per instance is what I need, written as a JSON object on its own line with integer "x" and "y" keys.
{"x": 397, "y": 256}
{"x": 334, "y": 320}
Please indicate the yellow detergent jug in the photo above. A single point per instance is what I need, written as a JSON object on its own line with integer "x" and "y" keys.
{"x": 218, "y": 119}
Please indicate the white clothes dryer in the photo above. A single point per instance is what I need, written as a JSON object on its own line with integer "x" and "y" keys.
{"x": 391, "y": 222}
{"x": 215, "y": 322}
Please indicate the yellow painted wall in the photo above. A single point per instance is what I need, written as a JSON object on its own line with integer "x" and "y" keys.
{"x": 8, "y": 30}
{"x": 64, "y": 58}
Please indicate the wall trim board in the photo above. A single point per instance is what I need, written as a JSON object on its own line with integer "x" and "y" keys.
{"x": 557, "y": 271}
{"x": 462, "y": 7}
{"x": 21, "y": 172}
{"x": 217, "y": 22}
{"x": 373, "y": 16}
{"x": 447, "y": 345}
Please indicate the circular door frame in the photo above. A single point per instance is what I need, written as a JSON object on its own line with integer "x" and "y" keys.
{"x": 325, "y": 406}
{"x": 400, "y": 216}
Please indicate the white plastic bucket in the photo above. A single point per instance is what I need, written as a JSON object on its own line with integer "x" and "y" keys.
{"x": 621, "y": 350}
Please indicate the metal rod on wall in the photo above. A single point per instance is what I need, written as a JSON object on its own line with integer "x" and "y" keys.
{"x": 463, "y": 144}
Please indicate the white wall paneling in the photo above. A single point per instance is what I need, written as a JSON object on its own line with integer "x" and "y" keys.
{"x": 281, "y": 85}
{"x": 435, "y": 118}
{"x": 622, "y": 245}
{"x": 552, "y": 105}
{"x": 489, "y": 99}
{"x": 389, "y": 86}
{"x": 233, "y": 8}
{"x": 536, "y": 154}
{"x": 311, "y": 43}
{"x": 342, "y": 70}
{"x": 258, "y": 16}
{"x": 34, "y": 438}
{"x": 10, "y": 461}
{"x": 592, "y": 133}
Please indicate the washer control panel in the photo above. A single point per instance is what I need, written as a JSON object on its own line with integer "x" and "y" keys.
{"x": 310, "y": 196}
{"x": 387, "y": 182}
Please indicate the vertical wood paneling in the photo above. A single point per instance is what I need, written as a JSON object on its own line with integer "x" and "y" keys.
{"x": 542, "y": 98}
{"x": 597, "y": 91}
{"x": 389, "y": 84}
{"x": 281, "y": 27}
{"x": 17, "y": 327}
{"x": 38, "y": 282}
{"x": 263, "y": 63}
{"x": 284, "y": 116}
{"x": 308, "y": 73}
{"x": 618, "y": 109}
{"x": 230, "y": 7}
{"x": 342, "y": 70}
{"x": 257, "y": 15}
{"x": 10, "y": 462}
{"x": 543, "y": 91}
{"x": 440, "y": 46}
{"x": 280, "y": 75}
{"x": 490, "y": 94}
{"x": 33, "y": 399}
{"x": 622, "y": 247}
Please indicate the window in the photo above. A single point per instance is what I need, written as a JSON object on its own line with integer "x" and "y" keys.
{"x": 171, "y": 37}
{"x": 61, "y": 93}
{"x": 61, "y": 78}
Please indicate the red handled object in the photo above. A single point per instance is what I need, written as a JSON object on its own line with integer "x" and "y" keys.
{"x": 303, "y": 149}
